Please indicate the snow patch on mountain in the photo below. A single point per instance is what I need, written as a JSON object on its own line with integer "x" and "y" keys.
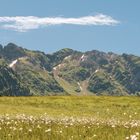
{"x": 83, "y": 57}
{"x": 67, "y": 57}
{"x": 13, "y": 63}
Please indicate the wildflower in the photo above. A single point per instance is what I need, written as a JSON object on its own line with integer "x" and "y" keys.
{"x": 71, "y": 124}
{"x": 30, "y": 130}
{"x": 38, "y": 126}
{"x": 20, "y": 129}
{"x": 9, "y": 135}
{"x": 133, "y": 137}
{"x": 6, "y": 115}
{"x": 10, "y": 127}
{"x": 127, "y": 138}
{"x": 113, "y": 126}
{"x": 14, "y": 128}
{"x": 48, "y": 130}
{"x": 8, "y": 123}
{"x": 97, "y": 124}
{"x": 126, "y": 126}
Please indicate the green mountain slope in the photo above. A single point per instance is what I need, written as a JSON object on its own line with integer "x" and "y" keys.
{"x": 10, "y": 83}
{"x": 25, "y": 72}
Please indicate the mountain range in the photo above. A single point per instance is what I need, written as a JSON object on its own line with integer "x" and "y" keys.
{"x": 67, "y": 72}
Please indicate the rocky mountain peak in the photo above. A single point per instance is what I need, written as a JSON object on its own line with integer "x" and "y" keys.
{"x": 70, "y": 72}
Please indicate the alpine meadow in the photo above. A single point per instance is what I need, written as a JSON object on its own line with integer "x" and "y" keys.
{"x": 69, "y": 70}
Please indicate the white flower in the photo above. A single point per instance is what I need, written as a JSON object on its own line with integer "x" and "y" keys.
{"x": 20, "y": 129}
{"x": 8, "y": 123}
{"x": 94, "y": 135}
{"x": 38, "y": 126}
{"x": 30, "y": 130}
{"x": 137, "y": 133}
{"x": 113, "y": 126}
{"x": 14, "y": 128}
{"x": 135, "y": 113}
{"x": 48, "y": 130}
{"x": 133, "y": 137}
{"x": 9, "y": 135}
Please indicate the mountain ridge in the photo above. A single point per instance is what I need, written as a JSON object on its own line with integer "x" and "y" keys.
{"x": 69, "y": 72}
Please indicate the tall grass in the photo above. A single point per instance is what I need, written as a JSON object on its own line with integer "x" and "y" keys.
{"x": 69, "y": 118}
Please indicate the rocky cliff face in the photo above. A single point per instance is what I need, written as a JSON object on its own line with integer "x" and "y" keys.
{"x": 10, "y": 84}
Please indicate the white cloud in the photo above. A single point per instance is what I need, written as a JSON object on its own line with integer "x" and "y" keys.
{"x": 23, "y": 24}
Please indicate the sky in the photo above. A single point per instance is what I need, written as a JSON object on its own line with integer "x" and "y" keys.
{"x": 84, "y": 25}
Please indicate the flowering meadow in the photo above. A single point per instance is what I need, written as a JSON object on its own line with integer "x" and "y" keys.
{"x": 70, "y": 118}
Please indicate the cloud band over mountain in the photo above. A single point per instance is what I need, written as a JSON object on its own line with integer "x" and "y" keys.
{"x": 23, "y": 24}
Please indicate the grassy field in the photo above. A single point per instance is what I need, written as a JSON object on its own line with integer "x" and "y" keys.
{"x": 69, "y": 118}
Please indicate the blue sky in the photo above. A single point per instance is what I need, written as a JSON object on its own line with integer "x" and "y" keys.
{"x": 123, "y": 37}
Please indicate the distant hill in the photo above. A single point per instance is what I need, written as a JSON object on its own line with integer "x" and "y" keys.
{"x": 24, "y": 72}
